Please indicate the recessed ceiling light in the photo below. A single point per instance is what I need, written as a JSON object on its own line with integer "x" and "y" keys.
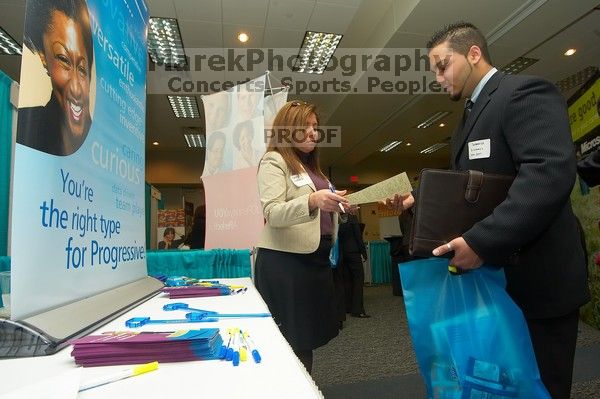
{"x": 442, "y": 124}
{"x": 432, "y": 119}
{"x": 408, "y": 144}
{"x": 390, "y": 146}
{"x": 243, "y": 37}
{"x": 8, "y": 45}
{"x": 164, "y": 42}
{"x": 184, "y": 106}
{"x": 155, "y": 143}
{"x": 570, "y": 51}
{"x": 316, "y": 51}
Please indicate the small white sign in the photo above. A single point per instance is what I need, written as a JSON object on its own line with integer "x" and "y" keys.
{"x": 479, "y": 149}
{"x": 301, "y": 180}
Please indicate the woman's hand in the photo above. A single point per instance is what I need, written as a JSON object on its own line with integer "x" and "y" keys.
{"x": 327, "y": 201}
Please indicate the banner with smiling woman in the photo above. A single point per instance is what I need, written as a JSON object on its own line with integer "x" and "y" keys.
{"x": 78, "y": 184}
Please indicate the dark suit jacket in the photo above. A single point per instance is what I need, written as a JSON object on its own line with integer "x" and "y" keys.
{"x": 525, "y": 118}
{"x": 350, "y": 237}
{"x": 589, "y": 168}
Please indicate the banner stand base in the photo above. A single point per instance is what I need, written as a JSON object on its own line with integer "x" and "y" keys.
{"x": 50, "y": 331}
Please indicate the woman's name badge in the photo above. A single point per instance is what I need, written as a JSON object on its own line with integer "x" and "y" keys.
{"x": 301, "y": 179}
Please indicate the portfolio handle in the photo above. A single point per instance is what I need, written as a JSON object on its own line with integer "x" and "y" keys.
{"x": 474, "y": 186}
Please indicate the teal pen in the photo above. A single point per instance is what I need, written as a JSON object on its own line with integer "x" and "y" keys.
{"x": 332, "y": 189}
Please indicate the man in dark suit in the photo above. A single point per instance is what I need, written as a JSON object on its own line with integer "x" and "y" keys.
{"x": 352, "y": 253}
{"x": 518, "y": 125}
{"x": 589, "y": 168}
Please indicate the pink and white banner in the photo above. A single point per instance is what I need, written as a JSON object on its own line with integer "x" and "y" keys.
{"x": 235, "y": 143}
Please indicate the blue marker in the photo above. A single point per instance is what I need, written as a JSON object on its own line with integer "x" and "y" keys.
{"x": 251, "y": 347}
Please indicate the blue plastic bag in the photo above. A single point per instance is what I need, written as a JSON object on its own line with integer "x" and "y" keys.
{"x": 471, "y": 340}
{"x": 334, "y": 254}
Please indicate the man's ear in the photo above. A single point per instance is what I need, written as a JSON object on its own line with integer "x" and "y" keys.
{"x": 44, "y": 63}
{"x": 474, "y": 54}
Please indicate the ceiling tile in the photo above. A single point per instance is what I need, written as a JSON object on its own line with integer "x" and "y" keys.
{"x": 332, "y": 18}
{"x": 283, "y": 38}
{"x": 249, "y": 12}
{"x": 201, "y": 33}
{"x": 206, "y": 10}
{"x": 289, "y": 14}
{"x": 162, "y": 8}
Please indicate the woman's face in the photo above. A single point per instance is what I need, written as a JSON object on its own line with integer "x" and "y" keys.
{"x": 215, "y": 154}
{"x": 246, "y": 139}
{"x": 169, "y": 237}
{"x": 311, "y": 136}
{"x": 66, "y": 60}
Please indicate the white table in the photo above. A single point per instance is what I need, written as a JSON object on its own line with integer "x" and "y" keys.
{"x": 279, "y": 375}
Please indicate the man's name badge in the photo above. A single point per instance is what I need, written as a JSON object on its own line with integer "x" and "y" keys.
{"x": 479, "y": 149}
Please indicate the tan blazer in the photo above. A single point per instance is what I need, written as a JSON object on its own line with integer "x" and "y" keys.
{"x": 290, "y": 226}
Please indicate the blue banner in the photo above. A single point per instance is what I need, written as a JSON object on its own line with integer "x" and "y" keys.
{"x": 78, "y": 223}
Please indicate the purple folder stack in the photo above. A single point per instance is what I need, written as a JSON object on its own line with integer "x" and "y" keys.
{"x": 134, "y": 348}
{"x": 194, "y": 291}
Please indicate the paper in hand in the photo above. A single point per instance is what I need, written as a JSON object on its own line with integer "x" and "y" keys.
{"x": 398, "y": 184}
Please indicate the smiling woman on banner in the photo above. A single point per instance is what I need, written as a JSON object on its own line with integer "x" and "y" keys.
{"x": 59, "y": 33}
{"x": 293, "y": 272}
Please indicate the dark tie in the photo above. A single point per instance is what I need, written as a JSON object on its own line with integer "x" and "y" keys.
{"x": 466, "y": 112}
{"x": 468, "y": 108}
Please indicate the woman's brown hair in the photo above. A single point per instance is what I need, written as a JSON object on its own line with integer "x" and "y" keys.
{"x": 291, "y": 119}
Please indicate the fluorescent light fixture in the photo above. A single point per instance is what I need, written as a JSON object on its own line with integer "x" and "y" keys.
{"x": 570, "y": 52}
{"x": 8, "y": 45}
{"x": 390, "y": 146}
{"x": 316, "y": 51}
{"x": 243, "y": 37}
{"x": 518, "y": 65}
{"x": 433, "y": 148}
{"x": 432, "y": 119}
{"x": 526, "y": 9}
{"x": 184, "y": 106}
{"x": 577, "y": 79}
{"x": 164, "y": 42}
{"x": 193, "y": 137}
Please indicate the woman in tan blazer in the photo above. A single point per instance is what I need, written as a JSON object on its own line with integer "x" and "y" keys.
{"x": 300, "y": 207}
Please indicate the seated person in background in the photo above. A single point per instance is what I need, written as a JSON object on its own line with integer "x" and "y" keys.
{"x": 169, "y": 241}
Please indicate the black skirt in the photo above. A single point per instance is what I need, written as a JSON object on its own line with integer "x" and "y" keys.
{"x": 299, "y": 291}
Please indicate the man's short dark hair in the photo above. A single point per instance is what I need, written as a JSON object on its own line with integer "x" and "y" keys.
{"x": 461, "y": 36}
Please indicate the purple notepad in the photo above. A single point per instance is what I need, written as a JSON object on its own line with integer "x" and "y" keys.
{"x": 132, "y": 347}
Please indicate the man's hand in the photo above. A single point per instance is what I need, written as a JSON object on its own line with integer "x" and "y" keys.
{"x": 464, "y": 256}
{"x": 399, "y": 202}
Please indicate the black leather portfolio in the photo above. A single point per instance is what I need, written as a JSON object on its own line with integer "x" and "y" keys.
{"x": 449, "y": 203}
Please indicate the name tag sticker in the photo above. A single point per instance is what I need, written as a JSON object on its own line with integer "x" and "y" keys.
{"x": 479, "y": 149}
{"x": 300, "y": 180}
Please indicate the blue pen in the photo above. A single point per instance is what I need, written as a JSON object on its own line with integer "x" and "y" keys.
{"x": 332, "y": 189}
